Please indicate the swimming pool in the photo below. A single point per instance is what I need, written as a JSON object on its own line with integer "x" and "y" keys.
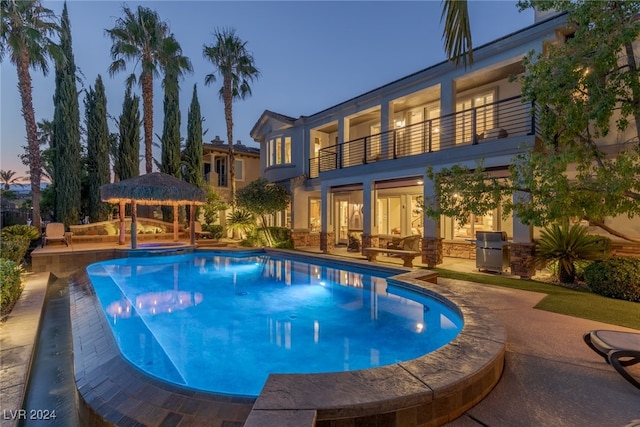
{"x": 223, "y": 323}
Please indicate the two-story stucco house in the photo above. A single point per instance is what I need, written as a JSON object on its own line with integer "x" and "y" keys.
{"x": 359, "y": 167}
{"x": 216, "y": 167}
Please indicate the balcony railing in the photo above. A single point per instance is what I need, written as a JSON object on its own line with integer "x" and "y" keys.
{"x": 505, "y": 118}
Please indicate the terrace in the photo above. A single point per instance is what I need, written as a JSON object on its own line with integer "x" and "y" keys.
{"x": 507, "y": 118}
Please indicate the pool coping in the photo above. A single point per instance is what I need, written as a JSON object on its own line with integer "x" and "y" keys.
{"x": 429, "y": 390}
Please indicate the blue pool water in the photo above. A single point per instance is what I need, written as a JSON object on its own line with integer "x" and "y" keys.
{"x": 224, "y": 323}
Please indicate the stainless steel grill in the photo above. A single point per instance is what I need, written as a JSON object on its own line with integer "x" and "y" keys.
{"x": 492, "y": 251}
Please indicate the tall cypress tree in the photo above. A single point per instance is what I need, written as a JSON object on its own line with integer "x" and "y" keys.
{"x": 170, "y": 133}
{"x": 171, "y": 129}
{"x": 129, "y": 147}
{"x": 97, "y": 149}
{"x": 66, "y": 131}
{"x": 193, "y": 154}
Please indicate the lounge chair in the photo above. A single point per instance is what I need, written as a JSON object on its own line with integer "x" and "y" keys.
{"x": 197, "y": 229}
{"x": 619, "y": 349}
{"x": 54, "y": 233}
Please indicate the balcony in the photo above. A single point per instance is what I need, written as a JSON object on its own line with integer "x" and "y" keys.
{"x": 505, "y": 118}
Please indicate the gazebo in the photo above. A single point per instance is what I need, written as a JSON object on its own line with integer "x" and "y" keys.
{"x": 153, "y": 189}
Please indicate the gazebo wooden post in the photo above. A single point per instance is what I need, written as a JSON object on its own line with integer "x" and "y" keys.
{"x": 192, "y": 226}
{"x": 123, "y": 227}
{"x": 134, "y": 227}
{"x": 175, "y": 222}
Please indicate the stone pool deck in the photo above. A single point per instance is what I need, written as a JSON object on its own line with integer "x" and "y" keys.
{"x": 550, "y": 377}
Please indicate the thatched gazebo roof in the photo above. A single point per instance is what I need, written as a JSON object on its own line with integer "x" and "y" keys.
{"x": 153, "y": 189}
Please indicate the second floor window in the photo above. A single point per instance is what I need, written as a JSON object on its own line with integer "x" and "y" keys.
{"x": 279, "y": 151}
{"x": 239, "y": 169}
{"x": 221, "y": 170}
{"x": 287, "y": 149}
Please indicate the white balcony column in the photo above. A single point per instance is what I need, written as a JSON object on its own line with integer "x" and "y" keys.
{"x": 431, "y": 226}
{"x": 369, "y": 229}
{"x": 386, "y": 125}
{"x": 522, "y": 233}
{"x": 447, "y": 97}
{"x": 447, "y": 107}
{"x": 327, "y": 238}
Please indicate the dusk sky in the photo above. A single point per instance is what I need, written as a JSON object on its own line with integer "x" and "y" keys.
{"x": 311, "y": 55}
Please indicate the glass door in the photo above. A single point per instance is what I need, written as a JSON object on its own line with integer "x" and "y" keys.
{"x": 342, "y": 232}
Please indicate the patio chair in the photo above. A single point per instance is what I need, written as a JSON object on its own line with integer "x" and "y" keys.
{"x": 197, "y": 228}
{"x": 54, "y": 233}
{"x": 619, "y": 349}
{"x": 409, "y": 243}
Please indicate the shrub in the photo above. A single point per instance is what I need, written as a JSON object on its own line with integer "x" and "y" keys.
{"x": 14, "y": 247}
{"x": 615, "y": 278}
{"x": 255, "y": 238}
{"x": 281, "y": 237}
{"x": 10, "y": 284}
{"x": 21, "y": 230}
{"x": 215, "y": 230}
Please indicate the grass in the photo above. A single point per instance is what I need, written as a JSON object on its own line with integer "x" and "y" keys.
{"x": 576, "y": 303}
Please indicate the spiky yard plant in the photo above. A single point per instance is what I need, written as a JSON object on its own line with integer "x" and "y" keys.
{"x": 241, "y": 220}
{"x": 565, "y": 245}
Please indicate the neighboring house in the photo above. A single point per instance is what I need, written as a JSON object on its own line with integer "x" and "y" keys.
{"x": 359, "y": 167}
{"x": 216, "y": 166}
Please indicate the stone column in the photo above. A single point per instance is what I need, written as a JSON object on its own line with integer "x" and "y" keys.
{"x": 520, "y": 255}
{"x": 432, "y": 248}
{"x": 522, "y": 248}
{"x": 369, "y": 241}
{"x": 327, "y": 242}
{"x": 432, "y": 251}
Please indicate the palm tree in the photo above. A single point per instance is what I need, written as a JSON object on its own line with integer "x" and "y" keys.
{"x": 457, "y": 32}
{"x": 8, "y": 179}
{"x": 235, "y": 64}
{"x": 138, "y": 37}
{"x": 25, "y": 36}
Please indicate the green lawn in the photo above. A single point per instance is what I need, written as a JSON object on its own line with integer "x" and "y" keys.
{"x": 577, "y": 303}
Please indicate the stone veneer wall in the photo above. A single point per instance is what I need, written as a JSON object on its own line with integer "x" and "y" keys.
{"x": 369, "y": 241}
{"x": 305, "y": 238}
{"x": 327, "y": 242}
{"x": 432, "y": 251}
{"x": 464, "y": 250}
{"x": 625, "y": 249}
{"x": 62, "y": 264}
{"x": 520, "y": 254}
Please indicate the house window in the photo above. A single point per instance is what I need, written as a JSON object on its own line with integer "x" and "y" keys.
{"x": 221, "y": 170}
{"x": 278, "y": 151}
{"x": 315, "y": 215}
{"x": 478, "y": 106}
{"x": 287, "y": 149}
{"x": 270, "y": 153}
{"x": 239, "y": 166}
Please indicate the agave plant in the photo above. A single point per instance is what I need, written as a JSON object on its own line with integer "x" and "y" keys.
{"x": 241, "y": 221}
{"x": 566, "y": 245}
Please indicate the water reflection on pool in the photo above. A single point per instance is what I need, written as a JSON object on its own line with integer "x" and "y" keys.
{"x": 224, "y": 323}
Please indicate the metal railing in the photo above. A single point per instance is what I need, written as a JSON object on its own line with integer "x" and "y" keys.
{"x": 505, "y": 118}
